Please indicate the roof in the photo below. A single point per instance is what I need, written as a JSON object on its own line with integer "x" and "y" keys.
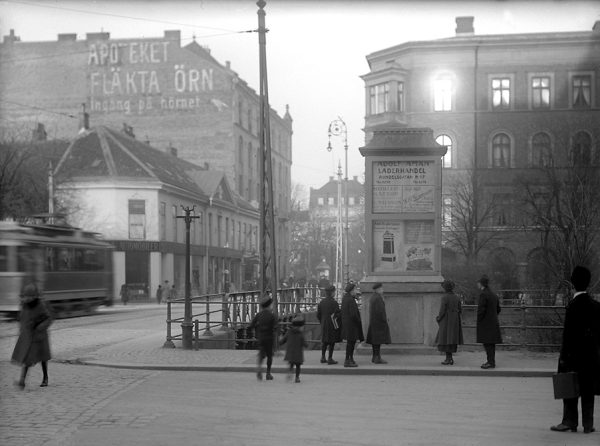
{"x": 101, "y": 152}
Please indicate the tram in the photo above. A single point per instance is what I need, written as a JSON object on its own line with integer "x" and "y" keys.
{"x": 71, "y": 267}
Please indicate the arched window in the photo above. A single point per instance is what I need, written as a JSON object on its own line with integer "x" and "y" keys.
{"x": 541, "y": 151}
{"x": 445, "y": 140}
{"x": 581, "y": 150}
{"x": 501, "y": 150}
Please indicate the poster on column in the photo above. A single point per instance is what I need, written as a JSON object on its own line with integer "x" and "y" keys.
{"x": 403, "y": 186}
{"x": 403, "y": 245}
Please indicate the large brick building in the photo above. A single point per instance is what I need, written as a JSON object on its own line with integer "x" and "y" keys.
{"x": 506, "y": 106}
{"x": 174, "y": 97}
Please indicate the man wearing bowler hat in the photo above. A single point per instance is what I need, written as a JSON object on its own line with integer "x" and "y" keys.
{"x": 351, "y": 322}
{"x": 379, "y": 330}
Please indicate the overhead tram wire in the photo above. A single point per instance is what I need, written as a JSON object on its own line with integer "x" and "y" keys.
{"x": 143, "y": 19}
{"x": 33, "y": 107}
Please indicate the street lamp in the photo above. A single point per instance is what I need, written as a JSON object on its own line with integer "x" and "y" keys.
{"x": 338, "y": 127}
{"x": 186, "y": 326}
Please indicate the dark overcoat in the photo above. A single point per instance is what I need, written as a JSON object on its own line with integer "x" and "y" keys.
{"x": 449, "y": 320}
{"x": 264, "y": 325}
{"x": 327, "y": 307}
{"x": 379, "y": 331}
{"x": 351, "y": 323}
{"x": 580, "y": 350}
{"x": 488, "y": 325}
{"x": 295, "y": 344}
{"x": 33, "y": 344}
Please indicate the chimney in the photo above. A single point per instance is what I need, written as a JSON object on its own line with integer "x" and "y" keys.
{"x": 71, "y": 37}
{"x": 84, "y": 120}
{"x": 464, "y": 26}
{"x": 174, "y": 36}
{"x": 173, "y": 150}
{"x": 128, "y": 130}
{"x": 596, "y": 27}
{"x": 39, "y": 133}
{"x": 97, "y": 36}
{"x": 228, "y": 65}
{"x": 331, "y": 178}
{"x": 11, "y": 37}
{"x": 355, "y": 177}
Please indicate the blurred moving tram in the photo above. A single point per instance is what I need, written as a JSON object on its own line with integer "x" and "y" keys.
{"x": 71, "y": 267}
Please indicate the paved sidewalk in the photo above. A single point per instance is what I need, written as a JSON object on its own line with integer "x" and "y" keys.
{"x": 147, "y": 352}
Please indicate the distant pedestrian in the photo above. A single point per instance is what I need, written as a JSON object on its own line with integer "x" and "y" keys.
{"x": 264, "y": 325}
{"x": 33, "y": 344}
{"x": 580, "y": 353}
{"x": 295, "y": 344}
{"x": 351, "y": 322}
{"x": 323, "y": 284}
{"x": 159, "y": 294}
{"x": 450, "y": 333}
{"x": 173, "y": 293}
{"x": 329, "y": 315}
{"x": 488, "y": 325}
{"x": 124, "y": 293}
{"x": 379, "y": 331}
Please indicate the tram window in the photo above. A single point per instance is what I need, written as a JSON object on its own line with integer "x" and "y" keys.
{"x": 3, "y": 258}
{"x": 24, "y": 259}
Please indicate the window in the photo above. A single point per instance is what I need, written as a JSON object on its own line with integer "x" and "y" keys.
{"x": 240, "y": 107}
{"x": 541, "y": 154}
{"x": 501, "y": 94}
{"x": 442, "y": 94}
{"x": 582, "y": 91}
{"x": 379, "y": 97}
{"x": 400, "y": 97}
{"x": 447, "y": 212}
{"x": 540, "y": 91}
{"x": 250, "y": 190}
{"x": 163, "y": 220}
{"x": 219, "y": 230}
{"x": 330, "y": 201}
{"x": 137, "y": 219}
{"x": 250, "y": 119}
{"x": 445, "y": 140}
{"x": 174, "y": 216}
{"x": 320, "y": 201}
{"x": 502, "y": 207}
{"x": 210, "y": 230}
{"x": 581, "y": 151}
{"x": 501, "y": 150}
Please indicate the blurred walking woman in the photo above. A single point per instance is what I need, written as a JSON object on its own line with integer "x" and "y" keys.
{"x": 450, "y": 333}
{"x": 33, "y": 345}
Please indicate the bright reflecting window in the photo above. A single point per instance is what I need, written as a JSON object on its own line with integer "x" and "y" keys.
{"x": 445, "y": 140}
{"x": 379, "y": 98}
{"x": 540, "y": 89}
{"x": 501, "y": 93}
{"x": 501, "y": 150}
{"x": 442, "y": 94}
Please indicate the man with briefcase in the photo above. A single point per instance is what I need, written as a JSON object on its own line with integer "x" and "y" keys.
{"x": 580, "y": 353}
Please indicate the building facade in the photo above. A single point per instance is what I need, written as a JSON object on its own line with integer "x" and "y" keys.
{"x": 135, "y": 196}
{"x": 507, "y": 107}
{"x": 173, "y": 96}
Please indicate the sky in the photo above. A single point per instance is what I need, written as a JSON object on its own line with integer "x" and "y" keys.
{"x": 316, "y": 50}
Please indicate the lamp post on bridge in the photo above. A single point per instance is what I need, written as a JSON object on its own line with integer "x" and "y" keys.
{"x": 338, "y": 127}
{"x": 186, "y": 325}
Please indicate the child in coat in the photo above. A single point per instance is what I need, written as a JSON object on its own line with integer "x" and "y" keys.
{"x": 295, "y": 343}
{"x": 264, "y": 325}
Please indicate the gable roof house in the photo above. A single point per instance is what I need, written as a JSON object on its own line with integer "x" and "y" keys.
{"x": 135, "y": 196}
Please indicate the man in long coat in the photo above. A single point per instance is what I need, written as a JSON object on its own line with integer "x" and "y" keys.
{"x": 351, "y": 323}
{"x": 379, "y": 331}
{"x": 580, "y": 353}
{"x": 328, "y": 314}
{"x": 488, "y": 326}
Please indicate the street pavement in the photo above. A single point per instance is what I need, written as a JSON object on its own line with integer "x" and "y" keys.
{"x": 121, "y": 386}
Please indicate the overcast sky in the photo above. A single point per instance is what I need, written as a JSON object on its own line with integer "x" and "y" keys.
{"x": 315, "y": 49}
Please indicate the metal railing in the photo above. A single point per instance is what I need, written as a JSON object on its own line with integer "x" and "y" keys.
{"x": 234, "y": 311}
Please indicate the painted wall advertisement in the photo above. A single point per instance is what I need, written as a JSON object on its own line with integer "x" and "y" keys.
{"x": 403, "y": 245}
{"x": 403, "y": 186}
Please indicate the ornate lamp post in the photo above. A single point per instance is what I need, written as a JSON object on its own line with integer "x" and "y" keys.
{"x": 338, "y": 127}
{"x": 186, "y": 325}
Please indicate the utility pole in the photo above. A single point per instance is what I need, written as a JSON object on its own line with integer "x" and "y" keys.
{"x": 268, "y": 259}
{"x": 186, "y": 325}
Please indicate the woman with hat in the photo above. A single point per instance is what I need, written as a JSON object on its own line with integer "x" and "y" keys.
{"x": 450, "y": 330}
{"x": 488, "y": 325}
{"x": 379, "y": 330}
{"x": 328, "y": 314}
{"x": 351, "y": 323}
{"x": 33, "y": 344}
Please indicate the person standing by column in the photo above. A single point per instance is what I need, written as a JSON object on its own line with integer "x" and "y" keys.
{"x": 580, "y": 353}
{"x": 159, "y": 293}
{"x": 450, "y": 329}
{"x": 351, "y": 322}
{"x": 124, "y": 294}
{"x": 328, "y": 314}
{"x": 33, "y": 344}
{"x": 488, "y": 325}
{"x": 379, "y": 331}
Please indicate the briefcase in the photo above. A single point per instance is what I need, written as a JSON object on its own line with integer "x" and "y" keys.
{"x": 565, "y": 385}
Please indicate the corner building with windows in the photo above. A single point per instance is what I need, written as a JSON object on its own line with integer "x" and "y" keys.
{"x": 172, "y": 95}
{"x": 504, "y": 105}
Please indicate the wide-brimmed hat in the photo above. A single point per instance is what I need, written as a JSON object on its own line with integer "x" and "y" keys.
{"x": 484, "y": 280}
{"x": 349, "y": 286}
{"x": 448, "y": 285}
{"x": 377, "y": 285}
{"x": 330, "y": 289}
{"x": 266, "y": 301}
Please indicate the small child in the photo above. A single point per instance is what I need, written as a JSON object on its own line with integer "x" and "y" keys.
{"x": 294, "y": 352}
{"x": 264, "y": 325}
